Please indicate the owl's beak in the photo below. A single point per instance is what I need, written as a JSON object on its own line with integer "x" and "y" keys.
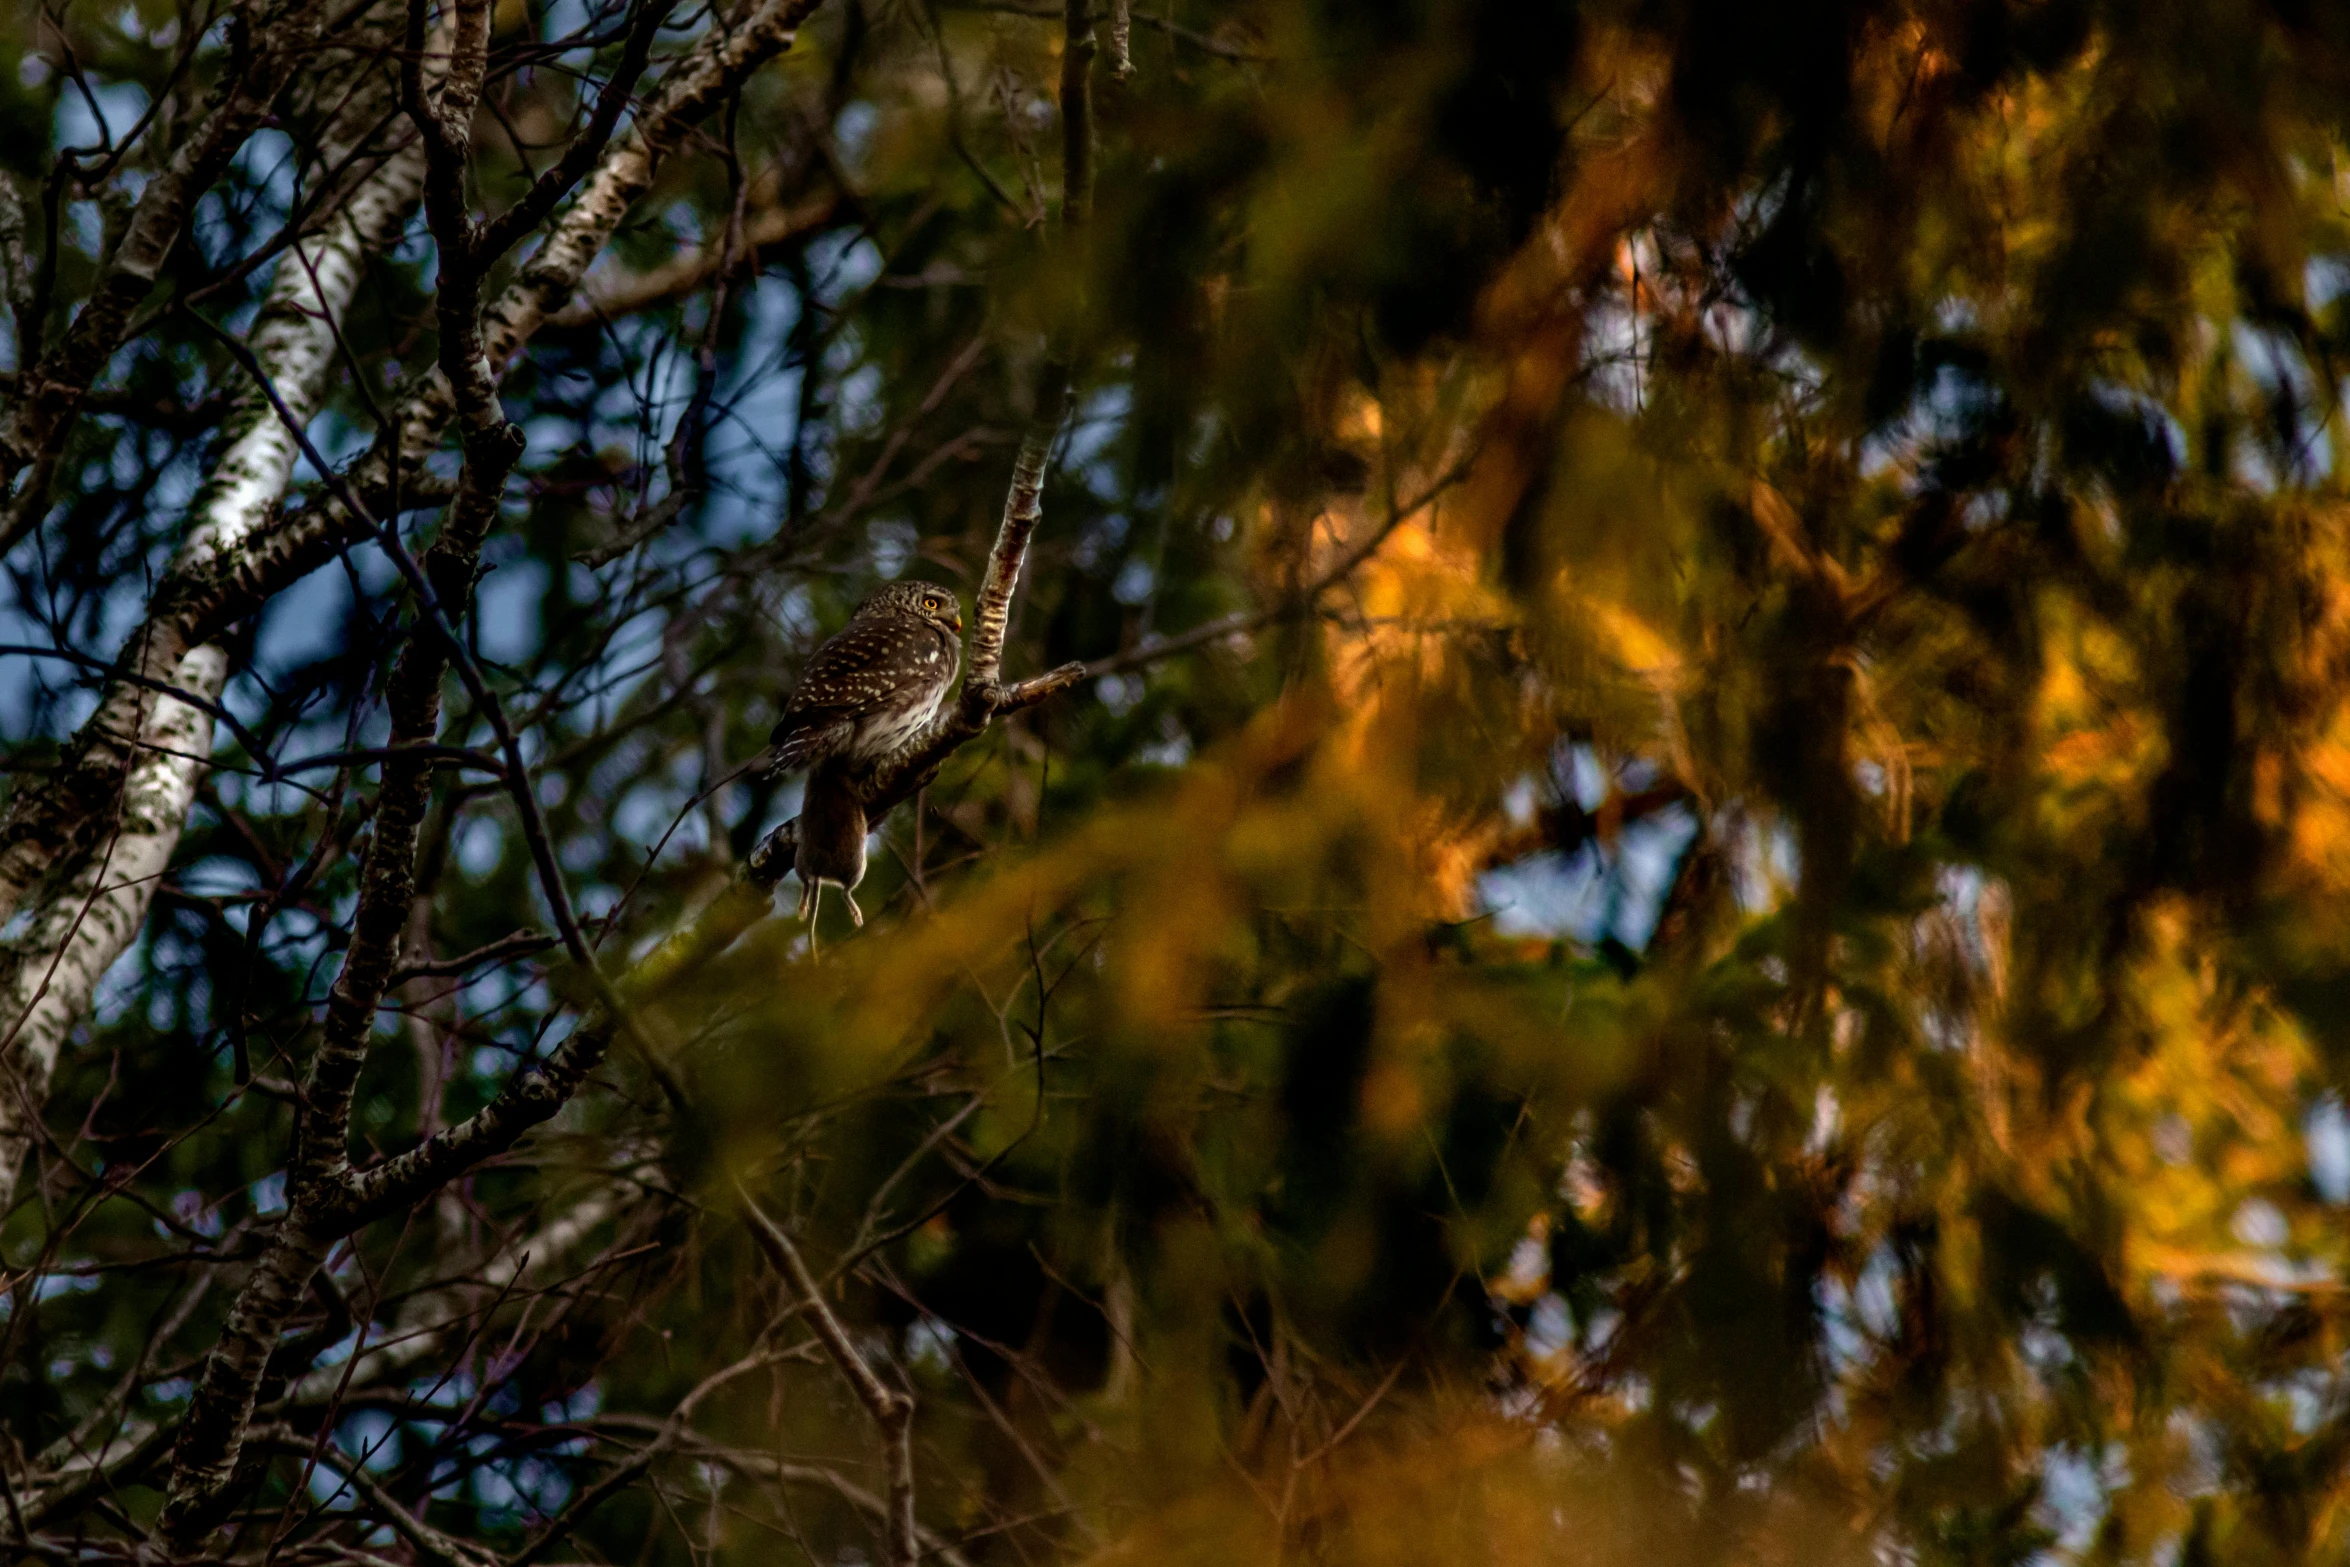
{"x": 958, "y": 622}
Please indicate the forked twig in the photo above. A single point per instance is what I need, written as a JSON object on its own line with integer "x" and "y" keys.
{"x": 892, "y": 1411}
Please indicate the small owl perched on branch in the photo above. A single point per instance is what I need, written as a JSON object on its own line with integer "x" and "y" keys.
{"x": 867, "y": 691}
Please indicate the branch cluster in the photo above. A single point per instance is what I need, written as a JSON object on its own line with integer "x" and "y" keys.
{"x": 260, "y": 1359}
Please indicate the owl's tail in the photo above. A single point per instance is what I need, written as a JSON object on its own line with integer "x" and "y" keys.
{"x": 767, "y": 766}
{"x": 792, "y": 750}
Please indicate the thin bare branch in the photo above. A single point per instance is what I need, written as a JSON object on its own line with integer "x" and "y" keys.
{"x": 51, "y": 390}
{"x": 892, "y": 1411}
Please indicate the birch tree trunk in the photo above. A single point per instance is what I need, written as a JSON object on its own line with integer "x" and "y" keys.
{"x": 90, "y": 916}
{"x": 90, "y": 909}
{"x": 273, "y": 1324}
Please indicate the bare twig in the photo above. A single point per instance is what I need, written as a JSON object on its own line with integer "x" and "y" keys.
{"x": 1121, "y": 39}
{"x": 430, "y": 1544}
{"x": 673, "y": 1431}
{"x": 52, "y": 389}
{"x": 1302, "y": 602}
{"x": 765, "y": 1466}
{"x": 522, "y": 944}
{"x": 892, "y": 1411}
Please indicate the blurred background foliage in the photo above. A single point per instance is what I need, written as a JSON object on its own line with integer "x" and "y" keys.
{"x": 1729, "y": 941}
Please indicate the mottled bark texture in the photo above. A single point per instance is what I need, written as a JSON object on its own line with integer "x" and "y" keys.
{"x": 49, "y": 968}
{"x": 99, "y": 833}
{"x": 273, "y": 44}
{"x": 211, "y": 590}
{"x": 326, "y": 1198}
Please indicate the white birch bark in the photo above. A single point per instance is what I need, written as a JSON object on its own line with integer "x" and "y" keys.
{"x": 53, "y": 964}
{"x": 83, "y": 920}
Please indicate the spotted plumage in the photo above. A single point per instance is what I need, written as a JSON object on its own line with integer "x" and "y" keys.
{"x": 874, "y": 685}
{"x": 865, "y": 693}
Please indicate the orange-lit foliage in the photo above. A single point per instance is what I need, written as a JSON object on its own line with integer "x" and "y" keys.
{"x": 1914, "y": 464}
{"x": 1865, "y": 484}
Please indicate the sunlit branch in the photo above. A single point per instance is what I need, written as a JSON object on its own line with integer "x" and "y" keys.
{"x": 1121, "y": 38}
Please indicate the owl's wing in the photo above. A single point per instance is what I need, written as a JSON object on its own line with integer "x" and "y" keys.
{"x": 804, "y": 739}
{"x": 838, "y": 687}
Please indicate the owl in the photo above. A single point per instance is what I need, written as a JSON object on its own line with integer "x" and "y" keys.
{"x": 866, "y": 692}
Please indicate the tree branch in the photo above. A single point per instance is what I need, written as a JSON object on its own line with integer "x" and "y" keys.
{"x": 51, "y": 390}
{"x": 892, "y": 1411}
{"x": 444, "y": 122}
{"x": 499, "y": 234}
{"x": 100, "y": 831}
{"x": 431, "y": 1546}
{"x": 1023, "y": 509}
{"x": 765, "y": 1466}
{"x": 538, "y": 1091}
{"x": 521, "y": 944}
{"x": 1121, "y": 39}
{"x": 220, "y": 580}
{"x": 672, "y": 1432}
